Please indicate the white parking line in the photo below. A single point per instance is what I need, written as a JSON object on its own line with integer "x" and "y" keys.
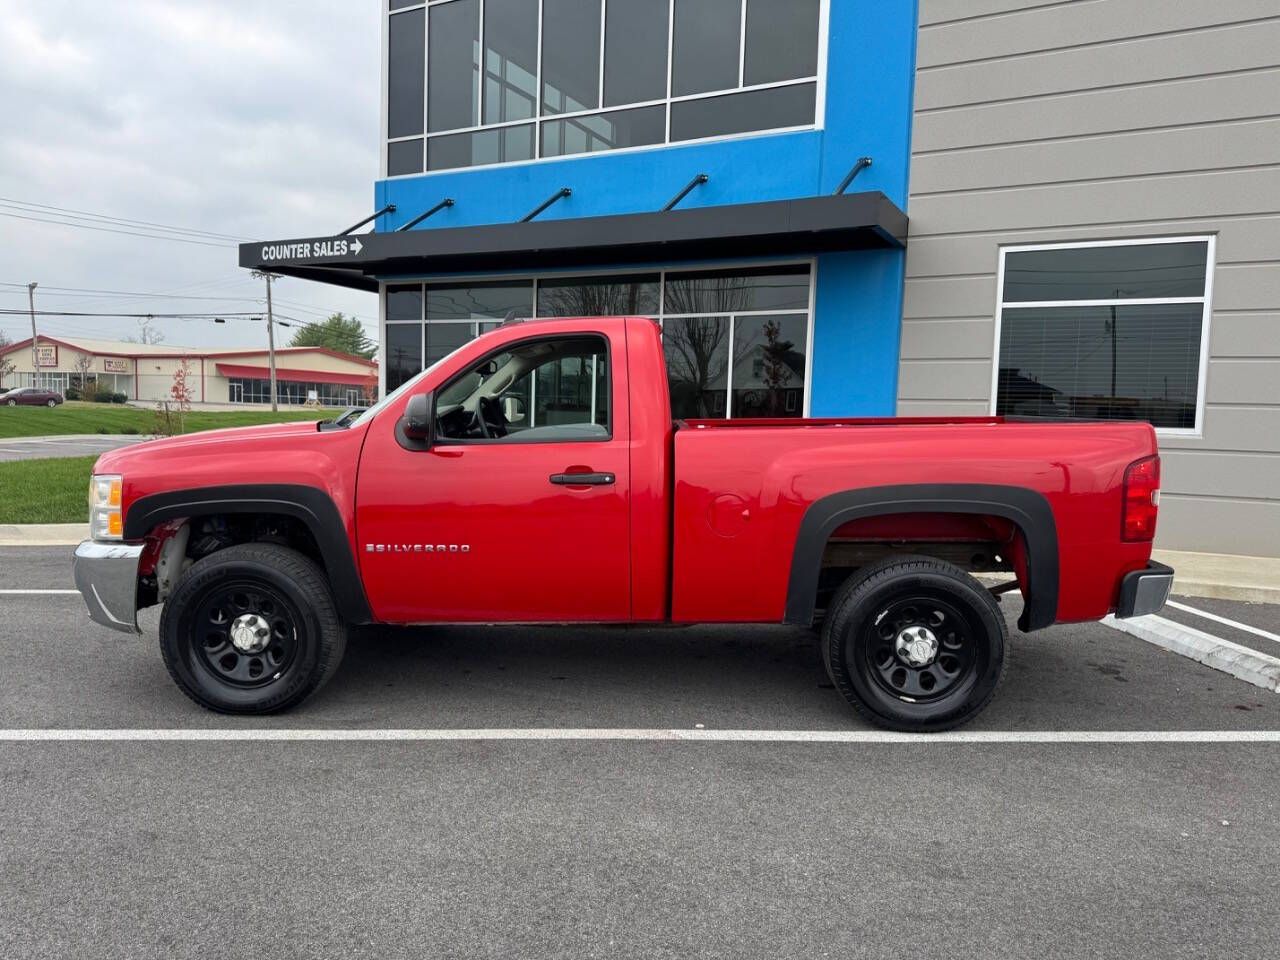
{"x": 38, "y": 593}
{"x": 1247, "y": 628}
{"x": 686, "y": 735}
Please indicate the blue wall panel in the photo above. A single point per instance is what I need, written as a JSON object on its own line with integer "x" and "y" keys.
{"x": 856, "y": 331}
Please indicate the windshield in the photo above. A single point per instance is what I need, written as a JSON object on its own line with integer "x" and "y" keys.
{"x": 405, "y": 387}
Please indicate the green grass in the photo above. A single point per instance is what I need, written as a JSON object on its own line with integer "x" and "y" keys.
{"x": 45, "y": 491}
{"x": 114, "y": 418}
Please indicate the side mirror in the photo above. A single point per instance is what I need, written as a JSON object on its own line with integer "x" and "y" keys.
{"x": 415, "y": 429}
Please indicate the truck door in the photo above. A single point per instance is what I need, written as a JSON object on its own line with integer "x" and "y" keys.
{"x": 519, "y": 509}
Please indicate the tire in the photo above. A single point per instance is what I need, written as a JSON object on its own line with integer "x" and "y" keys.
{"x": 899, "y": 678}
{"x": 13, "y": 403}
{"x": 288, "y": 651}
{"x": 51, "y": 404}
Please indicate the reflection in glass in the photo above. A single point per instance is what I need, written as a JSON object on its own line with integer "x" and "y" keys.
{"x": 697, "y": 352}
{"x": 501, "y": 145}
{"x": 405, "y": 65}
{"x": 404, "y": 156}
{"x": 468, "y": 301}
{"x": 403, "y": 352}
{"x": 1114, "y": 363}
{"x": 782, "y": 40}
{"x": 609, "y": 296}
{"x": 570, "y": 55}
{"x": 705, "y": 46}
{"x": 635, "y": 52}
{"x": 768, "y": 366}
{"x": 511, "y": 60}
{"x": 404, "y": 303}
{"x": 604, "y": 131}
{"x": 453, "y": 71}
{"x": 736, "y": 291}
{"x": 768, "y": 109}
{"x": 1121, "y": 272}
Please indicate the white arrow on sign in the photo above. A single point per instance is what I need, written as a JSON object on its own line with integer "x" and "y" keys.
{"x": 357, "y": 246}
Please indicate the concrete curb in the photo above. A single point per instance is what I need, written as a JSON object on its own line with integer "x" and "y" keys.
{"x": 42, "y": 534}
{"x": 1241, "y": 662}
{"x": 1223, "y": 576}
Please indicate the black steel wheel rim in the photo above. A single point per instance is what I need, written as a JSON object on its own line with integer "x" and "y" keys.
{"x": 892, "y": 670}
{"x": 211, "y": 633}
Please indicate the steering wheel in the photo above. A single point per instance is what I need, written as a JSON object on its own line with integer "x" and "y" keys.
{"x": 492, "y": 422}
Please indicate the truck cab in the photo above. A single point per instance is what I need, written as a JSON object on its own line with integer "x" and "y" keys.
{"x": 535, "y": 475}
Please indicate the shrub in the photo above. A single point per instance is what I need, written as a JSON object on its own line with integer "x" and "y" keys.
{"x": 72, "y": 393}
{"x": 107, "y": 396}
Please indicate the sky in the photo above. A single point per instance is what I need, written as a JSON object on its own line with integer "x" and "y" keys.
{"x": 257, "y": 120}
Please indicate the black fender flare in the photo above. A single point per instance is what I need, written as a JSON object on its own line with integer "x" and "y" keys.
{"x": 311, "y": 505}
{"x": 1027, "y": 509}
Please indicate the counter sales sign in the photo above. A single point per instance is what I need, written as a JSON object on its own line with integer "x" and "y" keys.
{"x": 47, "y": 355}
{"x": 311, "y": 249}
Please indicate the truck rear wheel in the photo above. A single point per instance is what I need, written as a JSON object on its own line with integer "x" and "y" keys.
{"x": 915, "y": 644}
{"x": 251, "y": 629}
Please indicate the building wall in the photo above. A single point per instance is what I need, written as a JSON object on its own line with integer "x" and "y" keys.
{"x": 864, "y": 110}
{"x": 1040, "y": 121}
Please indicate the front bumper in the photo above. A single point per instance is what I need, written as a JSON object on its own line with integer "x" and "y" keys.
{"x": 107, "y": 578}
{"x": 1144, "y": 591}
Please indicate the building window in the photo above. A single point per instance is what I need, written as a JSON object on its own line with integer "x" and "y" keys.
{"x": 736, "y": 340}
{"x": 1116, "y": 330}
{"x": 478, "y": 82}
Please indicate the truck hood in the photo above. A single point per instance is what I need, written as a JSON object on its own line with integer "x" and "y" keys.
{"x": 204, "y": 442}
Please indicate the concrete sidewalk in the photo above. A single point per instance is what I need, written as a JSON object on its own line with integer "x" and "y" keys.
{"x": 43, "y": 534}
{"x": 1223, "y": 576}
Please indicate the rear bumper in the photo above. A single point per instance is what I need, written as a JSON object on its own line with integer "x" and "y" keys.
{"x": 107, "y": 578}
{"x": 1144, "y": 591}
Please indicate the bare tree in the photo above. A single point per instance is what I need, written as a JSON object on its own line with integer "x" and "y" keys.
{"x": 83, "y": 366}
{"x": 147, "y": 334}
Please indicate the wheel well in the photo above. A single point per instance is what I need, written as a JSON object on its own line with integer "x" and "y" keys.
{"x": 977, "y": 543}
{"x": 936, "y": 519}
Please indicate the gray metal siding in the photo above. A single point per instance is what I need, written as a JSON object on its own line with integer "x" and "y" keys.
{"x": 1097, "y": 119}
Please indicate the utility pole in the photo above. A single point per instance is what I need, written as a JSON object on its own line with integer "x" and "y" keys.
{"x": 35, "y": 339}
{"x": 271, "y": 335}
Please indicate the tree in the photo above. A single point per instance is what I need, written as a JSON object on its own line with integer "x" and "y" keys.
{"x": 171, "y": 414}
{"x": 83, "y": 367}
{"x": 6, "y": 365}
{"x": 340, "y": 333}
{"x": 147, "y": 334}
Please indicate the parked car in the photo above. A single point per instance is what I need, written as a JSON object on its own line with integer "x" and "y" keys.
{"x": 452, "y": 501}
{"x": 30, "y": 397}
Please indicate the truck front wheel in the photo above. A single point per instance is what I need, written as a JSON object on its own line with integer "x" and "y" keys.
{"x": 251, "y": 629}
{"x": 915, "y": 644}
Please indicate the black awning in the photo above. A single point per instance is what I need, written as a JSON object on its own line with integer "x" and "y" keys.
{"x": 854, "y": 221}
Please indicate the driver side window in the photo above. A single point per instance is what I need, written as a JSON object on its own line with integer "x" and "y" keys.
{"x": 538, "y": 390}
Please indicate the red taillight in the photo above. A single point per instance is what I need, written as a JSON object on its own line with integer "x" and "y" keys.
{"x": 1141, "y": 499}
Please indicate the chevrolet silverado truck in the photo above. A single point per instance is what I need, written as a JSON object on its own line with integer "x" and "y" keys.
{"x": 535, "y": 475}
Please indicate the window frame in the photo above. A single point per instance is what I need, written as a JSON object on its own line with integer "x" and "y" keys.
{"x": 818, "y": 80}
{"x": 809, "y": 313}
{"x": 1206, "y": 302}
{"x": 514, "y": 440}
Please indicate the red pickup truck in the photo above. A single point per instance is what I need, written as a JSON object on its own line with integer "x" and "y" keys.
{"x": 535, "y": 475}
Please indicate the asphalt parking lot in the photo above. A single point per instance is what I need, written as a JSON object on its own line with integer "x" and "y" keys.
{"x": 604, "y": 848}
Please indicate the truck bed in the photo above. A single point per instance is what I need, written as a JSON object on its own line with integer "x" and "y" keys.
{"x": 742, "y": 487}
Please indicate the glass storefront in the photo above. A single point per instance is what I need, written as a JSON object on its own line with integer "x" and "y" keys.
{"x": 736, "y": 340}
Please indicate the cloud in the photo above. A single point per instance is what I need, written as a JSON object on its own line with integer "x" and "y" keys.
{"x": 235, "y": 116}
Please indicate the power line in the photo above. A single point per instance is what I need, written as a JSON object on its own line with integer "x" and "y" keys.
{"x": 79, "y": 214}
{"x": 130, "y": 233}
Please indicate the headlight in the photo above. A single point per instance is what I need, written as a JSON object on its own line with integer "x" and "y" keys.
{"x": 106, "y": 520}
